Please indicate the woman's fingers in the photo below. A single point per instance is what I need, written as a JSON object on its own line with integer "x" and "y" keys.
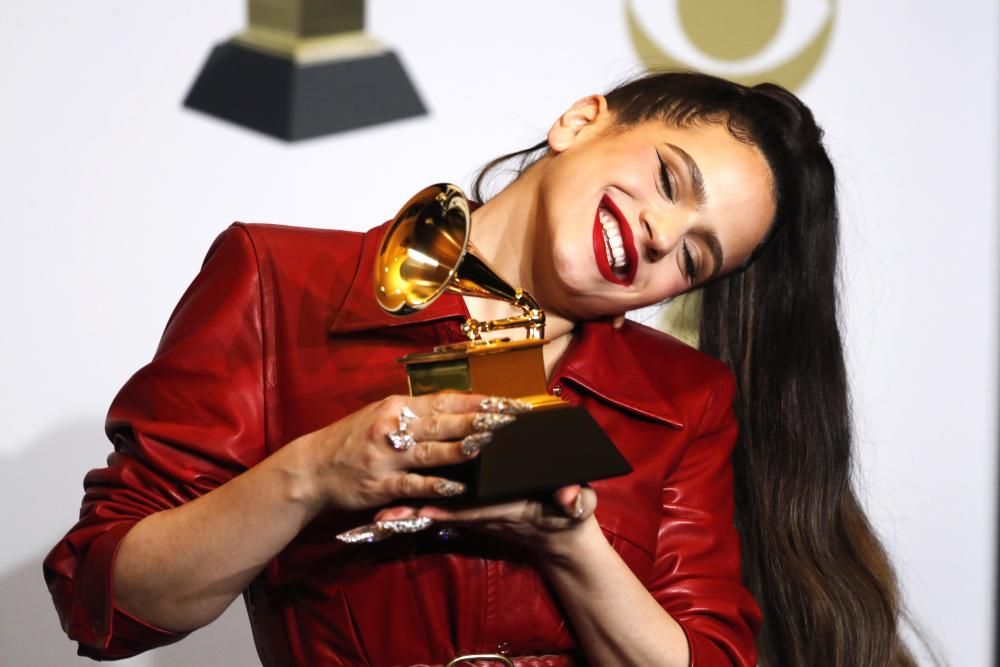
{"x": 412, "y": 485}
{"x": 453, "y": 415}
{"x": 452, "y": 402}
{"x": 395, "y": 513}
{"x": 441, "y": 429}
{"x": 404, "y": 421}
{"x": 572, "y": 504}
{"x": 577, "y": 502}
{"x": 445, "y": 402}
{"x": 510, "y": 511}
{"x": 453, "y": 427}
{"x": 567, "y": 495}
{"x": 432, "y": 453}
{"x": 373, "y": 456}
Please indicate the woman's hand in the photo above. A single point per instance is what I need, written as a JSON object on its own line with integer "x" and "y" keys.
{"x": 546, "y": 527}
{"x": 367, "y": 459}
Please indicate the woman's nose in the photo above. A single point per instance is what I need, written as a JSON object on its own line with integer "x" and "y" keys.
{"x": 656, "y": 236}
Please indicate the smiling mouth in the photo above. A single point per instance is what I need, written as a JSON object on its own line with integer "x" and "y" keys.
{"x": 613, "y": 244}
{"x": 614, "y": 247}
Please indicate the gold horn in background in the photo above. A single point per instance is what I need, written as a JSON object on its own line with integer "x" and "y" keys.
{"x": 426, "y": 252}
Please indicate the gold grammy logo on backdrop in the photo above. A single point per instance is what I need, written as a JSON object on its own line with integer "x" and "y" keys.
{"x": 732, "y": 31}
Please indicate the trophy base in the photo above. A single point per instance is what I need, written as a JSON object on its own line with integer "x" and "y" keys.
{"x": 537, "y": 454}
{"x": 291, "y": 101}
{"x": 552, "y": 446}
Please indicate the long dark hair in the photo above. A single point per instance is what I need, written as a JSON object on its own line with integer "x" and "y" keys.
{"x": 810, "y": 557}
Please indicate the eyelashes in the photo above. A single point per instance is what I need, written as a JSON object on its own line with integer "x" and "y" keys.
{"x": 690, "y": 271}
{"x": 668, "y": 189}
{"x": 687, "y": 258}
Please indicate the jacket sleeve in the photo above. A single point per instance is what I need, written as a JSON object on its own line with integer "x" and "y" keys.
{"x": 696, "y": 574}
{"x": 181, "y": 426}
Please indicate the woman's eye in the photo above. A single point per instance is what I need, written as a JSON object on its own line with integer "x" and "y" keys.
{"x": 690, "y": 270}
{"x": 668, "y": 190}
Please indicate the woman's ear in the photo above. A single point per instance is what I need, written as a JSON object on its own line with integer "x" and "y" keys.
{"x": 584, "y": 113}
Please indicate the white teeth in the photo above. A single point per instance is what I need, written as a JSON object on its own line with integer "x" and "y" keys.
{"x": 613, "y": 244}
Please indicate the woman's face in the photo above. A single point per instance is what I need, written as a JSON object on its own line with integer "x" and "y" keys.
{"x": 628, "y": 218}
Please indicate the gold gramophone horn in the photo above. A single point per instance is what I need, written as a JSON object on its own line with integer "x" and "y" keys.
{"x": 426, "y": 251}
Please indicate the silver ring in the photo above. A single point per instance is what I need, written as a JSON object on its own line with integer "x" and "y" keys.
{"x": 401, "y": 438}
{"x": 405, "y": 417}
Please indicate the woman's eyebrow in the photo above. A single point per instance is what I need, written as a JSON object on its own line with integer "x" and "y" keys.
{"x": 697, "y": 182}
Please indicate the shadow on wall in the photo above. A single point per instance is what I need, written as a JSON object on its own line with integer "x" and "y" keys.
{"x": 42, "y": 487}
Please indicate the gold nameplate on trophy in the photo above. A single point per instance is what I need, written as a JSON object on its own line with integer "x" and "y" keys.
{"x": 502, "y": 368}
{"x": 426, "y": 252}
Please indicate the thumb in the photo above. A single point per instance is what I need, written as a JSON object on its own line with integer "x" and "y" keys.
{"x": 393, "y": 513}
{"x": 578, "y": 502}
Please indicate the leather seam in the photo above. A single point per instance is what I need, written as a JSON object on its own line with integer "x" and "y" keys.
{"x": 266, "y": 354}
{"x": 718, "y": 387}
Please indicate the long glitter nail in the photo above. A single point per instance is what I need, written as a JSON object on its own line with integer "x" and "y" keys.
{"x": 378, "y": 531}
{"x": 491, "y": 421}
{"x": 446, "y": 487}
{"x": 502, "y": 405}
{"x": 472, "y": 444}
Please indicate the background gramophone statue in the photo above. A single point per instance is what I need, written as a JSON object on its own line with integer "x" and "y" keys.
{"x": 302, "y": 69}
{"x": 426, "y": 252}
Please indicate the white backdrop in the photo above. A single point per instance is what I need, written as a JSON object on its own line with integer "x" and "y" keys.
{"x": 110, "y": 193}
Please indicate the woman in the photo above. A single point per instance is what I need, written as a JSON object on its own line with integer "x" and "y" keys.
{"x": 261, "y": 428}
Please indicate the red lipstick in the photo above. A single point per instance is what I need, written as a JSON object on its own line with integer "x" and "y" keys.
{"x": 600, "y": 254}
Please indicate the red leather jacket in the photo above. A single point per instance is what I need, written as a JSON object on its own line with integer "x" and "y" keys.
{"x": 278, "y": 336}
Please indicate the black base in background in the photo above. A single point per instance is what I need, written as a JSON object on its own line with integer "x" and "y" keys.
{"x": 537, "y": 454}
{"x": 276, "y": 96}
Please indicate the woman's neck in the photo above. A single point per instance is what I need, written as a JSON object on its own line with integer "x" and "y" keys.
{"x": 502, "y": 230}
{"x": 503, "y": 234}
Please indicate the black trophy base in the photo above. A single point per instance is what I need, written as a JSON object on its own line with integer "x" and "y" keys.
{"x": 279, "y": 97}
{"x": 539, "y": 453}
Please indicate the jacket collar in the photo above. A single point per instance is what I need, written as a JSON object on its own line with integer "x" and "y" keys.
{"x": 601, "y": 359}
{"x": 607, "y": 363}
{"x": 360, "y": 311}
